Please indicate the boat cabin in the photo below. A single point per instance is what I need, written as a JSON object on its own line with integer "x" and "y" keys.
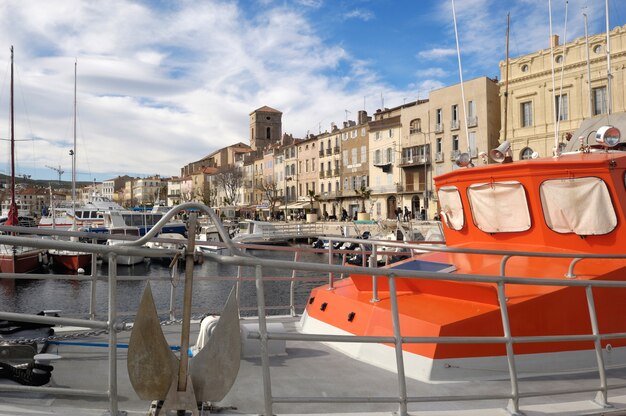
{"x": 574, "y": 202}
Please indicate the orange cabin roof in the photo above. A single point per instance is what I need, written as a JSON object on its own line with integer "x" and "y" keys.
{"x": 610, "y": 167}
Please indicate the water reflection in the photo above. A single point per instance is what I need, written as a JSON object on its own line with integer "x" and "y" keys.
{"x": 72, "y": 297}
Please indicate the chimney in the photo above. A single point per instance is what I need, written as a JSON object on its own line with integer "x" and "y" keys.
{"x": 555, "y": 41}
{"x": 362, "y": 117}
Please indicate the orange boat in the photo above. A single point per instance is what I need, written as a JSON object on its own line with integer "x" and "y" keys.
{"x": 529, "y": 219}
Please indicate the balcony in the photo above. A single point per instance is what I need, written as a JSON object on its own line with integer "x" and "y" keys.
{"x": 415, "y": 130}
{"x": 386, "y": 189}
{"x": 337, "y": 172}
{"x": 439, "y": 128}
{"x": 472, "y": 121}
{"x": 337, "y": 150}
{"x": 455, "y": 125}
{"x": 454, "y": 154}
{"x": 321, "y": 152}
{"x": 322, "y": 174}
{"x": 439, "y": 157}
{"x": 414, "y": 187}
{"x": 325, "y": 196}
{"x": 415, "y": 160}
{"x": 329, "y": 151}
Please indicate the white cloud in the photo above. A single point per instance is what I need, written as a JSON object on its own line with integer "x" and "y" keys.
{"x": 437, "y": 53}
{"x": 424, "y": 87}
{"x": 432, "y": 72}
{"x": 358, "y": 14}
{"x": 158, "y": 89}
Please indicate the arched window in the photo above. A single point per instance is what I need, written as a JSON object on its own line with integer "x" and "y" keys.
{"x": 415, "y": 126}
{"x": 526, "y": 153}
{"x": 377, "y": 160}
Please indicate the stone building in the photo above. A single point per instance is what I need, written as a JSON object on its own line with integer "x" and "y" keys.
{"x": 578, "y": 93}
{"x": 265, "y": 127}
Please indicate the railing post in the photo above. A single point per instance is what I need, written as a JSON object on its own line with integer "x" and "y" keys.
{"x": 183, "y": 370}
{"x": 397, "y": 334}
{"x": 372, "y": 265}
{"x": 94, "y": 281}
{"x": 173, "y": 281}
{"x": 112, "y": 317}
{"x": 292, "y": 286}
{"x": 331, "y": 275}
{"x": 238, "y": 282}
{"x": 265, "y": 359}
{"x": 602, "y": 396}
{"x": 513, "y": 406}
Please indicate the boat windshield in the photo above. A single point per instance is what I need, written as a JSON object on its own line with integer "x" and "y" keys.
{"x": 499, "y": 207}
{"x": 578, "y": 205}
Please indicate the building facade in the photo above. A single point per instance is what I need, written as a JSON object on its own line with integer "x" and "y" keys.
{"x": 541, "y": 113}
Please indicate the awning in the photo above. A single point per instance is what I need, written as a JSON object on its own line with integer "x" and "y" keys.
{"x": 247, "y": 208}
{"x": 296, "y": 205}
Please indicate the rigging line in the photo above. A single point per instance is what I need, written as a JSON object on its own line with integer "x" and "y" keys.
{"x": 84, "y": 153}
{"x": 557, "y": 151}
{"x": 552, "y": 66}
{"x": 458, "y": 53}
{"x": 27, "y": 117}
{"x": 609, "y": 81}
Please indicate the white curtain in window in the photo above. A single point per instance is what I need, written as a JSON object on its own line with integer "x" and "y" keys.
{"x": 451, "y": 207}
{"x": 578, "y": 205}
{"x": 499, "y": 207}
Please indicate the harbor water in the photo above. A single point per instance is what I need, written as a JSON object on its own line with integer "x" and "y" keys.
{"x": 71, "y": 297}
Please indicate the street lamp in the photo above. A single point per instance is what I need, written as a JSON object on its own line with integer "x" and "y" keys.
{"x": 287, "y": 179}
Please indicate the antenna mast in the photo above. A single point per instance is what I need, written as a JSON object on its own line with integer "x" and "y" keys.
{"x": 506, "y": 77}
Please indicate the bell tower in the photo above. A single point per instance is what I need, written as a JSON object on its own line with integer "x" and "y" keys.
{"x": 265, "y": 127}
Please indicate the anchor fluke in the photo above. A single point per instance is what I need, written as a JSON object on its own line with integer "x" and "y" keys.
{"x": 151, "y": 363}
{"x": 214, "y": 369}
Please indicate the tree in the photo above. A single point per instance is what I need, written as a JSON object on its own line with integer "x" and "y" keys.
{"x": 230, "y": 180}
{"x": 270, "y": 189}
{"x": 312, "y": 197}
{"x": 364, "y": 194}
{"x": 207, "y": 194}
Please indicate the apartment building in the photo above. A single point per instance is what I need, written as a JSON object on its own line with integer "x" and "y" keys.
{"x": 329, "y": 170}
{"x": 352, "y": 168}
{"x": 145, "y": 191}
{"x": 307, "y": 165}
{"x": 290, "y": 155}
{"x": 541, "y": 112}
{"x": 174, "y": 196}
{"x": 385, "y": 175}
{"x": 111, "y": 188}
{"x": 436, "y": 131}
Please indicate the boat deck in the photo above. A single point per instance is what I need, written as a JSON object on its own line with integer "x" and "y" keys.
{"x": 308, "y": 368}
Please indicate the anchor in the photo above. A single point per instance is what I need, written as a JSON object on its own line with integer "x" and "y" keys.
{"x": 156, "y": 373}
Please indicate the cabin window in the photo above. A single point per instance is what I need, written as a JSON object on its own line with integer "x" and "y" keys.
{"x": 499, "y": 207}
{"x": 578, "y": 205}
{"x": 451, "y": 207}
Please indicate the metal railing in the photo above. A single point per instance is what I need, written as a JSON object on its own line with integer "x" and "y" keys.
{"x": 372, "y": 247}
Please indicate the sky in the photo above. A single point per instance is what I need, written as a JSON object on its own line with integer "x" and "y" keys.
{"x": 163, "y": 83}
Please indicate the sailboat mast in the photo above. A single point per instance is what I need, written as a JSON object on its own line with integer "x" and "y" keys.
{"x": 506, "y": 76}
{"x": 12, "y": 216}
{"x": 74, "y": 156}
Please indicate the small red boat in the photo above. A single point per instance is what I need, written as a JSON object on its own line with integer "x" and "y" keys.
{"x": 70, "y": 260}
{"x": 535, "y": 219}
{"x": 19, "y": 259}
